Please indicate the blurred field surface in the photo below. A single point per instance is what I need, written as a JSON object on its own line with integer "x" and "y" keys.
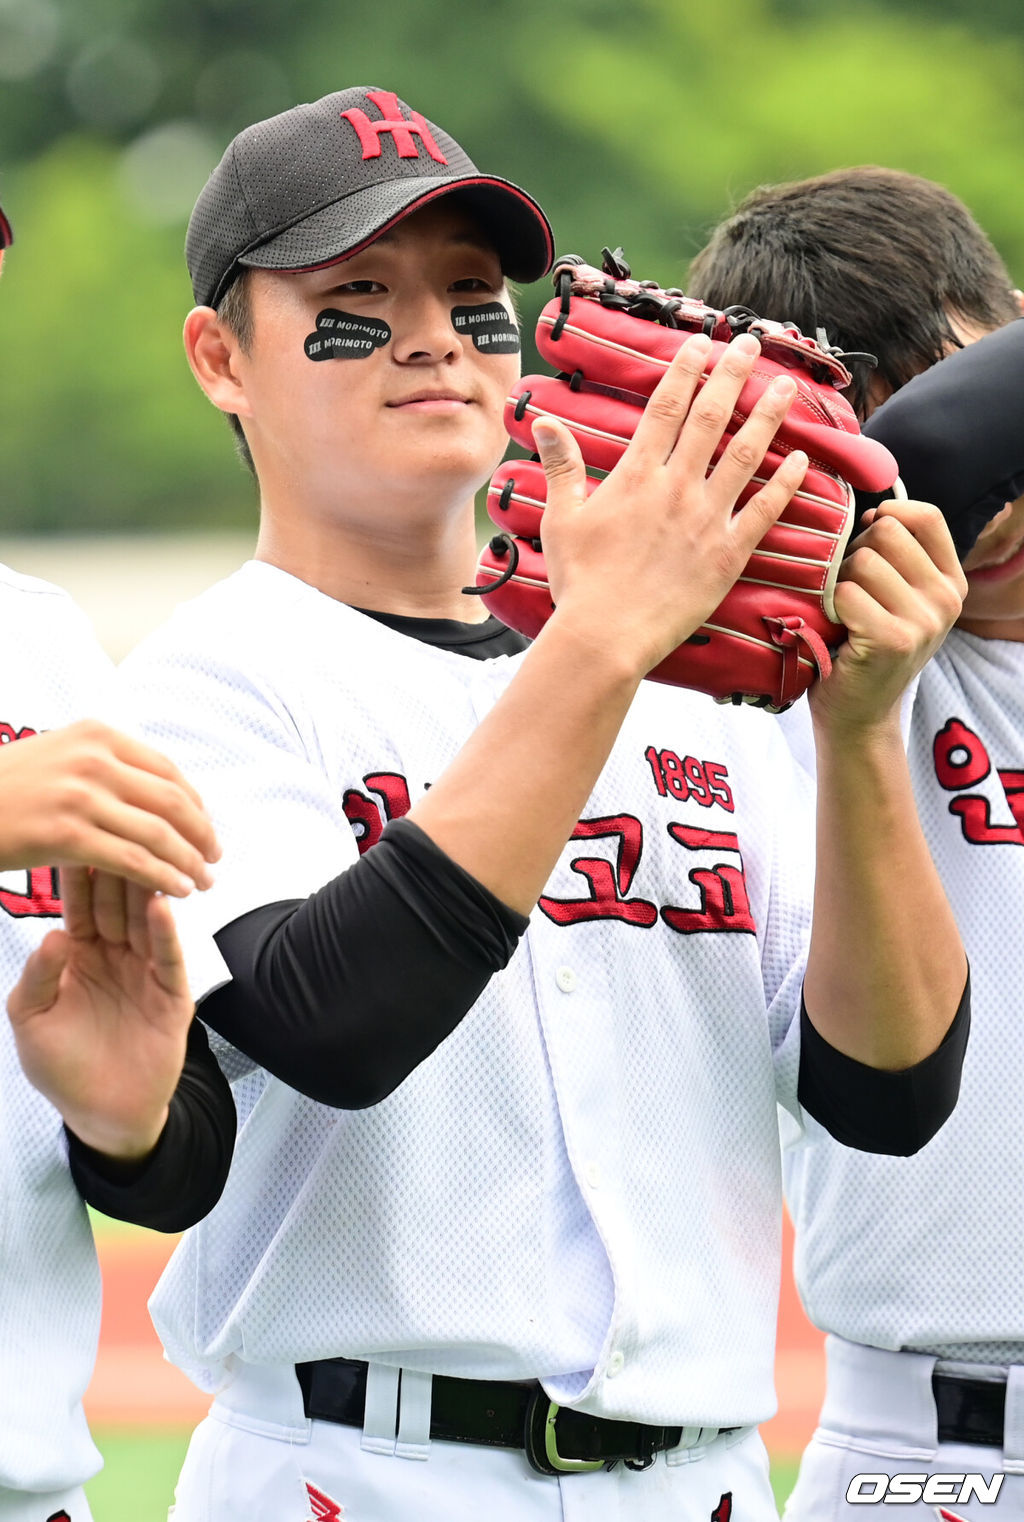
{"x": 141, "y": 1409}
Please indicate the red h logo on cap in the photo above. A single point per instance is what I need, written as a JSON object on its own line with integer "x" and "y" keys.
{"x": 401, "y": 128}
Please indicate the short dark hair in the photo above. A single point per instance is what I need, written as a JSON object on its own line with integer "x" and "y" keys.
{"x": 881, "y": 259}
{"x": 234, "y": 310}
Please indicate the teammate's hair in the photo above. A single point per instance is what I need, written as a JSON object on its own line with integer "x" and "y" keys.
{"x": 235, "y": 312}
{"x": 881, "y": 259}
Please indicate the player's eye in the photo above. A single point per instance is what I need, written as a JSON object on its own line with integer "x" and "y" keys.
{"x": 360, "y": 287}
{"x": 474, "y": 283}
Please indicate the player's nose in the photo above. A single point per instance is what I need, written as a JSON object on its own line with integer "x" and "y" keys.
{"x": 425, "y": 333}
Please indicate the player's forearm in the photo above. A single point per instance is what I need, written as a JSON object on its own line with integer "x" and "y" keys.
{"x": 181, "y": 1178}
{"x": 509, "y": 801}
{"x": 886, "y": 968}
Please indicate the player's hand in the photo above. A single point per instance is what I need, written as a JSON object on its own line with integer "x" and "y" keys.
{"x": 88, "y": 795}
{"x": 101, "y": 1013}
{"x": 640, "y": 565}
{"x": 900, "y": 590}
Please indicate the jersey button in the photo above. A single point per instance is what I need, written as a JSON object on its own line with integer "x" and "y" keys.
{"x": 616, "y": 1364}
{"x": 566, "y": 979}
{"x": 593, "y": 1176}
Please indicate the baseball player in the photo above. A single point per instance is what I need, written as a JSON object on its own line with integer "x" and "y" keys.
{"x": 100, "y": 1016}
{"x": 913, "y": 1265}
{"x": 516, "y": 1011}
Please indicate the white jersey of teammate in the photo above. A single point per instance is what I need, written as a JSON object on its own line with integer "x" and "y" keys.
{"x": 583, "y": 1182}
{"x": 52, "y": 672}
{"x": 925, "y": 1253}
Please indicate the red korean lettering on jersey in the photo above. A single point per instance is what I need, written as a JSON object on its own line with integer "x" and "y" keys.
{"x": 961, "y": 762}
{"x": 367, "y": 815}
{"x": 40, "y": 898}
{"x": 609, "y": 885}
{"x": 724, "y": 903}
{"x": 723, "y": 1511}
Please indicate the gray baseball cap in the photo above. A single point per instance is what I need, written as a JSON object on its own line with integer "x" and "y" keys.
{"x": 321, "y": 181}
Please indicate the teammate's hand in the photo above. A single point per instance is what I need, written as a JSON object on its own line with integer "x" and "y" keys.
{"x": 88, "y": 795}
{"x": 900, "y": 590}
{"x": 101, "y": 1013}
{"x": 640, "y": 564}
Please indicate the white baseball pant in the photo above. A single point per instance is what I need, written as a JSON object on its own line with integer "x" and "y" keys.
{"x": 250, "y": 1458}
{"x": 879, "y": 1419}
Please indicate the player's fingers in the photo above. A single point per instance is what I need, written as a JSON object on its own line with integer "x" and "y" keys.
{"x": 136, "y": 753}
{"x": 76, "y": 902}
{"x": 169, "y": 801}
{"x": 924, "y": 522}
{"x": 111, "y": 852}
{"x": 108, "y": 907}
{"x": 746, "y": 450}
{"x": 37, "y": 988}
{"x": 895, "y": 569}
{"x": 712, "y": 409}
{"x": 136, "y": 900}
{"x": 141, "y": 845}
{"x": 166, "y": 957}
{"x": 564, "y": 471}
{"x": 753, "y": 520}
{"x": 96, "y": 751}
{"x": 658, "y": 429}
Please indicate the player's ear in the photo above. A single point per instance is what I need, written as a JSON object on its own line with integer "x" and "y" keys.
{"x": 1018, "y": 296}
{"x": 213, "y": 352}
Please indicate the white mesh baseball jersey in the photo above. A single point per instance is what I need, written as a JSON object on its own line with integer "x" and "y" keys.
{"x": 927, "y": 1252}
{"x": 52, "y": 672}
{"x": 582, "y": 1183}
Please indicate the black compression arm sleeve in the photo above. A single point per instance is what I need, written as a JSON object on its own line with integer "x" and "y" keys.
{"x": 343, "y": 994}
{"x": 182, "y": 1178}
{"x": 874, "y": 1111}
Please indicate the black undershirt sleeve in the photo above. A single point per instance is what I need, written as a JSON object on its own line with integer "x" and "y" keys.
{"x": 341, "y": 995}
{"x": 874, "y": 1111}
{"x": 181, "y": 1180}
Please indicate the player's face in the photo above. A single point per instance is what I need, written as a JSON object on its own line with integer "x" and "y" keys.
{"x": 422, "y": 412}
{"x": 994, "y": 605}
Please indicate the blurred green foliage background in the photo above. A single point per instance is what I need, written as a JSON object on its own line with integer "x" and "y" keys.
{"x": 639, "y": 122}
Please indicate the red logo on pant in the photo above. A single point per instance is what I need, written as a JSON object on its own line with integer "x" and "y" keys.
{"x": 324, "y": 1509}
{"x": 723, "y": 1511}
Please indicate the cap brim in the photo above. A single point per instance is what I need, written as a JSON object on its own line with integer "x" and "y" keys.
{"x": 518, "y": 228}
{"x": 6, "y": 235}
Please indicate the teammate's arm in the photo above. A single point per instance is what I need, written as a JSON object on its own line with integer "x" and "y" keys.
{"x": 88, "y": 795}
{"x": 886, "y": 969}
{"x": 103, "y": 1023}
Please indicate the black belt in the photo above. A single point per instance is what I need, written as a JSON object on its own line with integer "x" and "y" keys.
{"x": 496, "y": 1414}
{"x": 970, "y": 1410}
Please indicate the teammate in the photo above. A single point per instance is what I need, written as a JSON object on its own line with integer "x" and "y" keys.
{"x": 914, "y": 1265}
{"x": 546, "y": 1261}
{"x": 100, "y": 1017}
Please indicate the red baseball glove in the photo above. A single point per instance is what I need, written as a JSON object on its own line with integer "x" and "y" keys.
{"x": 612, "y": 339}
